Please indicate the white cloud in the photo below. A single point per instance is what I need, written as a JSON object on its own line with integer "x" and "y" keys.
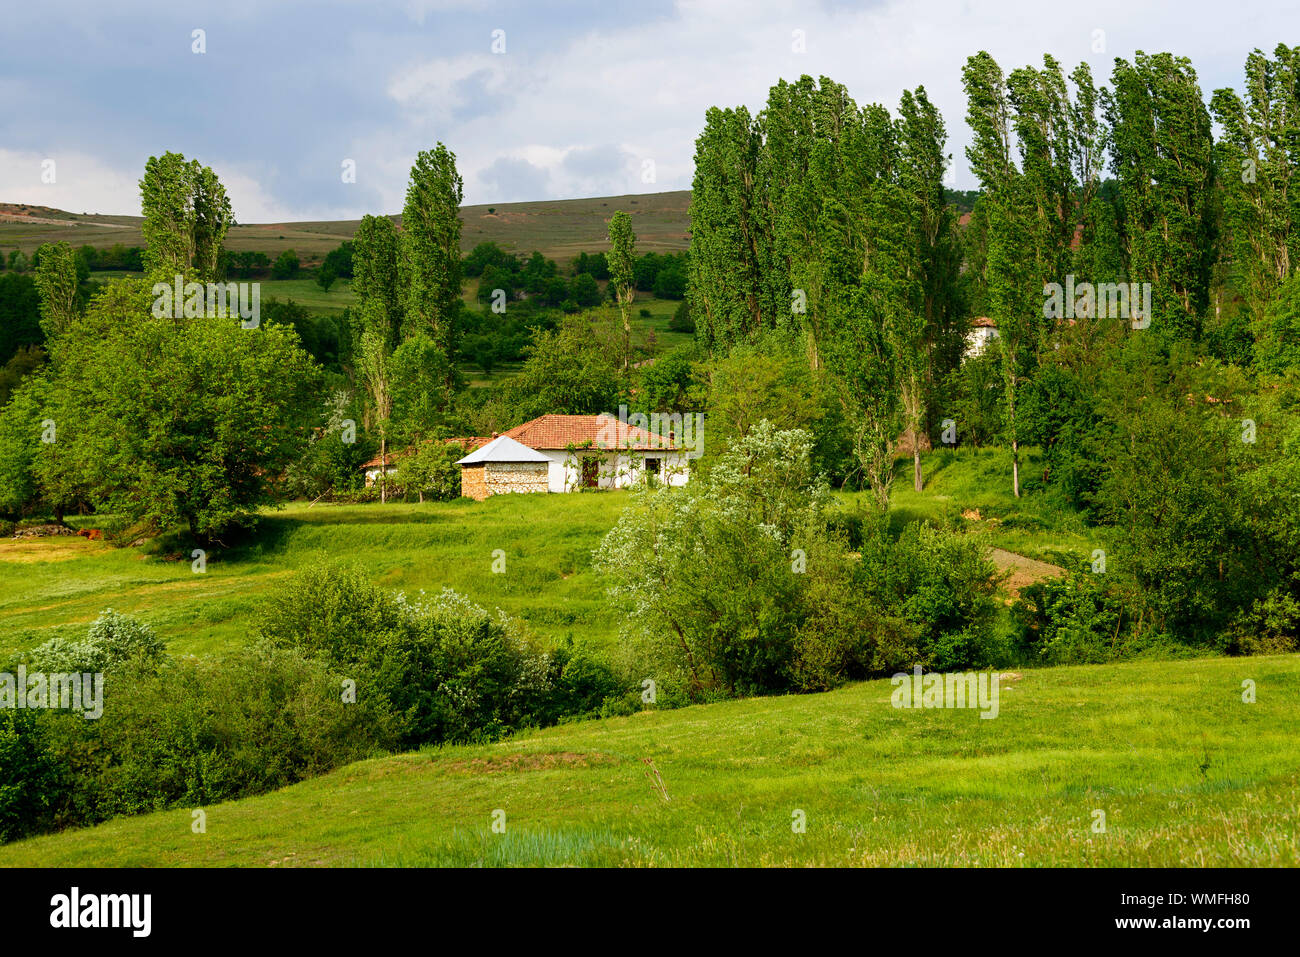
{"x": 81, "y": 184}
{"x": 585, "y": 107}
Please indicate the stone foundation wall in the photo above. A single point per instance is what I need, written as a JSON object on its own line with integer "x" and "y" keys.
{"x": 497, "y": 478}
{"x": 505, "y": 477}
{"x": 472, "y": 482}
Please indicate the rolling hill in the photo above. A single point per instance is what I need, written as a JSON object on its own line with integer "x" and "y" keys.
{"x": 559, "y": 229}
{"x": 1183, "y": 770}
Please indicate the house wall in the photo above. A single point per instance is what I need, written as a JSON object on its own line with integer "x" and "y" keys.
{"x": 473, "y": 484}
{"x": 372, "y": 474}
{"x": 977, "y": 340}
{"x": 617, "y": 469}
{"x": 503, "y": 477}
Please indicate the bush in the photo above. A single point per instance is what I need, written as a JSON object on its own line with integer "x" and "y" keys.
{"x": 450, "y": 671}
{"x": 113, "y": 640}
{"x": 681, "y": 320}
{"x": 737, "y": 585}
{"x": 30, "y": 783}
{"x": 197, "y": 732}
{"x": 940, "y": 582}
{"x": 1077, "y": 619}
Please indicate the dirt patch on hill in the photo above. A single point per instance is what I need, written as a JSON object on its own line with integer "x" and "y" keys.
{"x": 527, "y": 762}
{"x": 1024, "y": 571}
{"x": 47, "y": 549}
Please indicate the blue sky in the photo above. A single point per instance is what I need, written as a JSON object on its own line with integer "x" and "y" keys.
{"x": 586, "y": 100}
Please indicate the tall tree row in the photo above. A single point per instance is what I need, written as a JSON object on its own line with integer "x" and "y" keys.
{"x": 1257, "y": 157}
{"x": 1162, "y": 155}
{"x": 825, "y": 220}
{"x": 408, "y": 286}
{"x": 1036, "y": 151}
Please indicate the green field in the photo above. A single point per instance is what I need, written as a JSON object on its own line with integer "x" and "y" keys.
{"x": 972, "y": 487}
{"x": 1184, "y": 771}
{"x": 305, "y": 291}
{"x": 58, "y": 585}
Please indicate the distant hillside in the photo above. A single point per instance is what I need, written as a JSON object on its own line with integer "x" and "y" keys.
{"x": 559, "y": 229}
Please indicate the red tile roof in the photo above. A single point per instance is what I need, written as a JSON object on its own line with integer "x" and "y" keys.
{"x": 601, "y": 431}
{"x": 470, "y": 443}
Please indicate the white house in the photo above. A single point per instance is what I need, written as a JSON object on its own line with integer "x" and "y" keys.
{"x": 579, "y": 451}
{"x": 983, "y": 331}
{"x": 379, "y": 465}
{"x": 602, "y": 451}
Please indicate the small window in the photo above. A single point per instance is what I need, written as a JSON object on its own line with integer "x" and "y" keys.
{"x": 652, "y": 466}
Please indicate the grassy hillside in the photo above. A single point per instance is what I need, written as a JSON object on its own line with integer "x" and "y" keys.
{"x": 58, "y": 585}
{"x": 973, "y": 487}
{"x": 1186, "y": 773}
{"x": 559, "y": 229}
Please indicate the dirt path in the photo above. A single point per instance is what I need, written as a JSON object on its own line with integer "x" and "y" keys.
{"x": 1024, "y": 571}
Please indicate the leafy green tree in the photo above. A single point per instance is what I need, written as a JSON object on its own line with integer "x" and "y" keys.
{"x": 340, "y": 258}
{"x": 326, "y": 275}
{"x": 572, "y": 370}
{"x": 1162, "y": 155}
{"x": 20, "y": 440}
{"x": 1010, "y": 293}
{"x": 430, "y": 469}
{"x": 375, "y": 259}
{"x": 56, "y": 279}
{"x": 186, "y": 216}
{"x": 286, "y": 265}
{"x": 430, "y": 246}
{"x": 375, "y": 372}
{"x": 419, "y": 373}
{"x": 622, "y": 274}
{"x": 178, "y": 420}
{"x": 486, "y": 254}
{"x": 1256, "y": 167}
{"x": 584, "y": 291}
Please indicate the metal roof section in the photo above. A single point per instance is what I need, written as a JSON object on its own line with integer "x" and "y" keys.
{"x": 503, "y": 449}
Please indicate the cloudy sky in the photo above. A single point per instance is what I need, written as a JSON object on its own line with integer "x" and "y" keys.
{"x": 589, "y": 97}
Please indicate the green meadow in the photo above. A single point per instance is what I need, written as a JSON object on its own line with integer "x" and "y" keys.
{"x": 58, "y": 585}
{"x": 1184, "y": 771}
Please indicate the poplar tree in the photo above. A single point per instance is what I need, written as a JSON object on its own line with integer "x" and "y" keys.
{"x": 732, "y": 291}
{"x": 186, "y": 217}
{"x": 1256, "y": 159}
{"x": 56, "y": 281}
{"x": 988, "y": 114}
{"x": 1162, "y": 155}
{"x": 375, "y": 275}
{"x": 622, "y": 264}
{"x": 430, "y": 264}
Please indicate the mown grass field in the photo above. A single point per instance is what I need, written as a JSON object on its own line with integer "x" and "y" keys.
{"x": 58, "y": 585}
{"x": 1186, "y": 773}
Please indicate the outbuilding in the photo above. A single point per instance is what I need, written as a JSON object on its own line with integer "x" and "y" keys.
{"x": 503, "y": 465}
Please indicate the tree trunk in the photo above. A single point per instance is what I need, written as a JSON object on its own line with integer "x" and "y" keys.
{"x": 916, "y": 464}
{"x": 1015, "y": 467}
{"x": 383, "y": 469}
